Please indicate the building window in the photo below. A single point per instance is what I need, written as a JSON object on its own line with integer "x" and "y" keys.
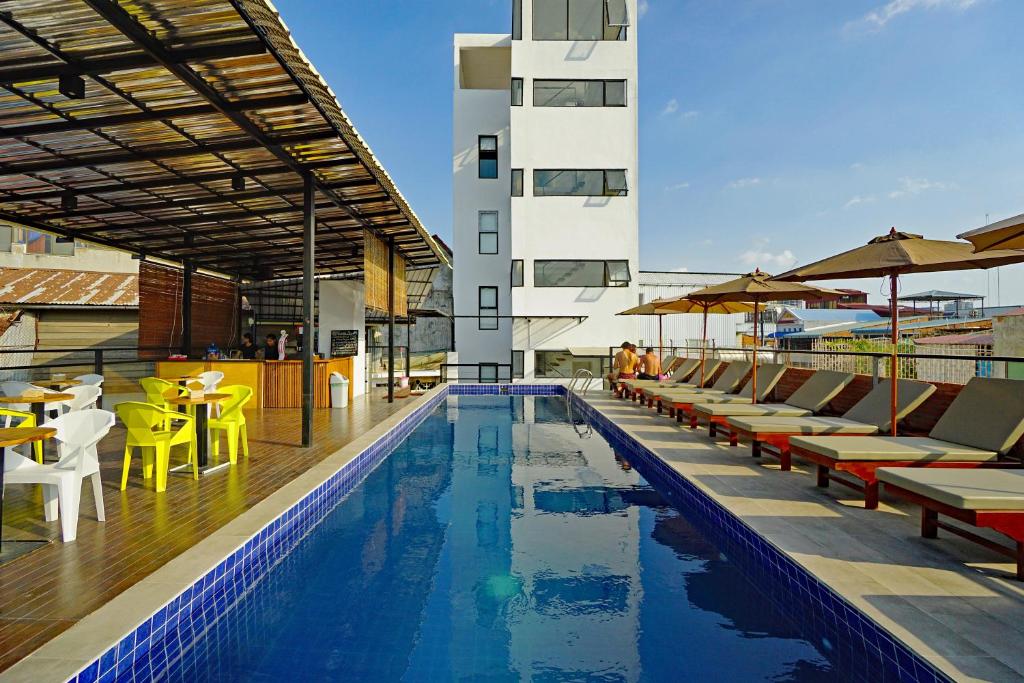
{"x": 488, "y": 224}
{"x": 579, "y": 19}
{"x": 518, "y": 363}
{"x": 488, "y": 308}
{"x": 6, "y": 237}
{"x": 579, "y": 183}
{"x": 39, "y": 242}
{"x": 517, "y": 182}
{"x": 488, "y": 373}
{"x": 581, "y": 274}
{"x": 564, "y": 364}
{"x": 555, "y": 93}
{"x": 487, "y": 151}
{"x": 517, "y": 272}
{"x": 517, "y": 92}
{"x": 517, "y": 19}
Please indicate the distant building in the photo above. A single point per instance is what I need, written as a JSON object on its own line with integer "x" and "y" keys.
{"x": 849, "y": 297}
{"x": 794, "y": 320}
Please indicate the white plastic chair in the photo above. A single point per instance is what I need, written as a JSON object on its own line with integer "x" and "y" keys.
{"x": 77, "y": 436}
{"x": 85, "y": 397}
{"x": 90, "y": 379}
{"x": 210, "y": 380}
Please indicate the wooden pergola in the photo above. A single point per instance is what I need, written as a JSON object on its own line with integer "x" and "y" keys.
{"x": 193, "y": 131}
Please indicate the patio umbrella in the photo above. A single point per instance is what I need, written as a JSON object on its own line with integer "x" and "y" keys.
{"x": 1005, "y": 234}
{"x": 686, "y": 304}
{"x": 895, "y": 254}
{"x": 650, "y": 308}
{"x": 756, "y": 288}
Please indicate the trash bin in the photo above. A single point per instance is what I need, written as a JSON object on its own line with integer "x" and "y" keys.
{"x": 339, "y": 390}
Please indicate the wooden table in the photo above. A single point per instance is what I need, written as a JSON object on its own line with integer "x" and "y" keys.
{"x": 202, "y": 406}
{"x": 38, "y": 403}
{"x": 16, "y": 436}
{"x": 59, "y": 383}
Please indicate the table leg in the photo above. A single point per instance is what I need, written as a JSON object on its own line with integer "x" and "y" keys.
{"x": 3, "y": 459}
{"x": 202, "y": 436}
{"x": 39, "y": 410}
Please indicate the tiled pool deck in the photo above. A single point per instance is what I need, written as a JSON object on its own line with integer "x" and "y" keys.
{"x": 953, "y": 602}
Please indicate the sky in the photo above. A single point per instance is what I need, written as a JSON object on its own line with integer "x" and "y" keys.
{"x": 772, "y": 132}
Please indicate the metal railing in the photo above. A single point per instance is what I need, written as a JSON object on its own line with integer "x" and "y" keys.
{"x": 500, "y": 376}
{"x": 952, "y": 368}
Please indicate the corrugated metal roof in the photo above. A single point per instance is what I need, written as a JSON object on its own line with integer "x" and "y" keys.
{"x": 39, "y": 287}
{"x": 828, "y": 315}
{"x": 183, "y": 99}
{"x": 971, "y": 338}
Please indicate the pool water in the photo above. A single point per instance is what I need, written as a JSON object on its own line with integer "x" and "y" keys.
{"x": 502, "y": 543}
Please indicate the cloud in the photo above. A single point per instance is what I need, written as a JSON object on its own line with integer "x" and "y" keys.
{"x": 878, "y": 18}
{"x": 677, "y": 186}
{"x": 914, "y": 186}
{"x": 741, "y": 183}
{"x": 642, "y": 7}
{"x": 859, "y": 199}
{"x": 671, "y": 107}
{"x": 856, "y": 166}
{"x": 766, "y": 260}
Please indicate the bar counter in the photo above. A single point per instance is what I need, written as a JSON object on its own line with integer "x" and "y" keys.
{"x": 275, "y": 383}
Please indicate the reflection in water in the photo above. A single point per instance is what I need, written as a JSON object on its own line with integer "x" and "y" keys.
{"x": 498, "y": 546}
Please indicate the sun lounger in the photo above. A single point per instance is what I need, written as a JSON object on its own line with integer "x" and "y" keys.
{"x": 984, "y": 421}
{"x": 727, "y": 383}
{"x": 767, "y": 377}
{"x": 686, "y": 368}
{"x": 643, "y": 392}
{"x": 870, "y": 415}
{"x": 985, "y": 498}
{"x": 811, "y": 397}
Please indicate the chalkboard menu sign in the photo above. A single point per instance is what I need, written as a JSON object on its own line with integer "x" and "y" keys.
{"x": 344, "y": 343}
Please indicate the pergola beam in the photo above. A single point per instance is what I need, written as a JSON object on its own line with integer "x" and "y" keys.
{"x": 162, "y": 153}
{"x": 91, "y": 66}
{"x": 127, "y": 186}
{"x": 169, "y": 113}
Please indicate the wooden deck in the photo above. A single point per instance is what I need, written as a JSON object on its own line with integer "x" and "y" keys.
{"x": 47, "y": 590}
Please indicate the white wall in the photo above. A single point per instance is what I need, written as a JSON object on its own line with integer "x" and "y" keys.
{"x": 576, "y": 228}
{"x": 342, "y": 306}
{"x": 90, "y": 259}
{"x": 480, "y": 112}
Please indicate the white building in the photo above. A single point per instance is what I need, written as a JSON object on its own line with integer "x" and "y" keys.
{"x": 545, "y": 188}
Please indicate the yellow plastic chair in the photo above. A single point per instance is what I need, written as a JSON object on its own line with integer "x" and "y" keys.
{"x": 231, "y": 421}
{"x": 145, "y": 426}
{"x": 18, "y": 420}
{"x": 157, "y": 391}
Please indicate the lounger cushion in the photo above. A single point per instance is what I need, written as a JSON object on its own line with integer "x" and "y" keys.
{"x": 685, "y": 369}
{"x": 820, "y": 388}
{"x": 767, "y": 377}
{"x": 731, "y": 377}
{"x": 898, "y": 448}
{"x": 971, "y": 489}
{"x": 747, "y": 408}
{"x": 876, "y": 407}
{"x": 801, "y": 425}
{"x": 987, "y": 413}
{"x": 685, "y": 395}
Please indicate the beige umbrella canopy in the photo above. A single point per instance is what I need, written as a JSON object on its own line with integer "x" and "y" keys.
{"x": 895, "y": 254}
{"x": 1005, "y": 234}
{"x": 686, "y": 304}
{"x": 756, "y": 288}
{"x": 650, "y": 308}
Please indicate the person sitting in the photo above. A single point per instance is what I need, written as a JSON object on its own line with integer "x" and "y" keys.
{"x": 248, "y": 348}
{"x": 623, "y": 366}
{"x": 650, "y": 365}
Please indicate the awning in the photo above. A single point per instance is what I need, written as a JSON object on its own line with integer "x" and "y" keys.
{"x": 182, "y": 130}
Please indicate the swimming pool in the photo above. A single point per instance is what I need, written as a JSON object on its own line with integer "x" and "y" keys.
{"x": 500, "y": 541}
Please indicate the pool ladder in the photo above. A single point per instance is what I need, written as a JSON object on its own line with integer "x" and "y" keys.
{"x": 584, "y": 376}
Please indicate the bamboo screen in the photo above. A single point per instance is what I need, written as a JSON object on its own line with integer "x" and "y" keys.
{"x": 375, "y": 268}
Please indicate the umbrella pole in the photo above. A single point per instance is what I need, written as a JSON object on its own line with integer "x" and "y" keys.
{"x": 894, "y": 321}
{"x": 661, "y": 346}
{"x": 753, "y": 368}
{"x": 703, "y": 344}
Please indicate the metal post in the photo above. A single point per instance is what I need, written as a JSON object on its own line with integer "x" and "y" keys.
{"x": 97, "y": 367}
{"x": 308, "y": 288}
{"x": 408, "y": 345}
{"x": 186, "y": 309}
{"x": 391, "y": 320}
{"x": 876, "y": 363}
